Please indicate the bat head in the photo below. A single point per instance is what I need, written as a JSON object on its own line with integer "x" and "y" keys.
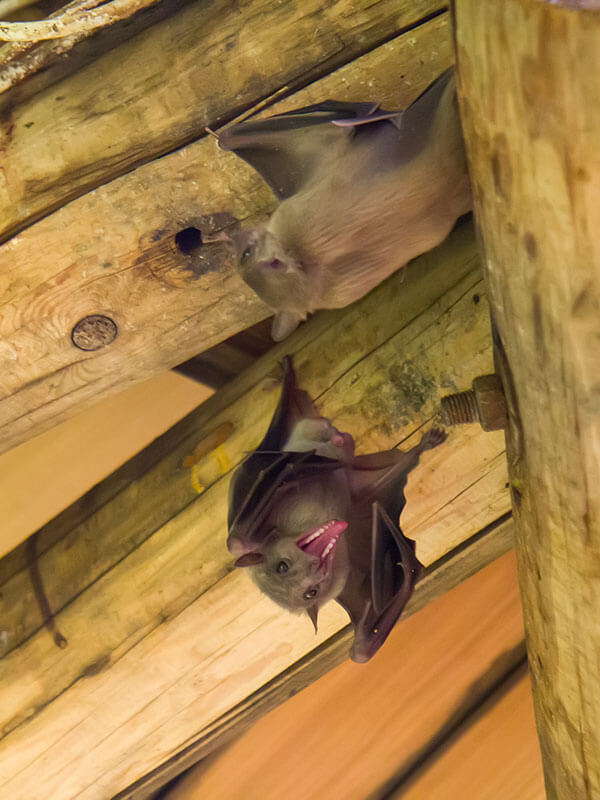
{"x": 301, "y": 574}
{"x": 276, "y": 276}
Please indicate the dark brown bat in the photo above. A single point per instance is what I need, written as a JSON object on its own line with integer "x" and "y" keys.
{"x": 362, "y": 191}
{"x": 312, "y": 521}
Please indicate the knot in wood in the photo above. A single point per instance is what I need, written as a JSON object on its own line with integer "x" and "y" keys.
{"x": 94, "y": 332}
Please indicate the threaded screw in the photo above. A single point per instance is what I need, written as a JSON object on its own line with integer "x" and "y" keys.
{"x": 484, "y": 403}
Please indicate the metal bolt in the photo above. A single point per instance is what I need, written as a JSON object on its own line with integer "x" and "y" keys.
{"x": 484, "y": 403}
{"x": 94, "y": 332}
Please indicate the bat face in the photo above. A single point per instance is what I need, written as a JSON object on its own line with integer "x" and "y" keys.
{"x": 303, "y": 574}
{"x": 304, "y": 555}
{"x": 264, "y": 264}
{"x": 312, "y": 521}
{"x": 275, "y": 275}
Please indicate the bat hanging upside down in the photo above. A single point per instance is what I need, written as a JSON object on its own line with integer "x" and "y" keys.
{"x": 313, "y": 522}
{"x": 361, "y": 190}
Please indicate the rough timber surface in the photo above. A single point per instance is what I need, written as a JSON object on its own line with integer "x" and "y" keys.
{"x": 528, "y": 75}
{"x": 164, "y": 638}
{"x": 112, "y": 251}
{"x": 156, "y": 92}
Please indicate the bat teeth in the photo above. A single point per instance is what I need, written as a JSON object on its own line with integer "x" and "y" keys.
{"x": 331, "y": 532}
{"x": 329, "y": 548}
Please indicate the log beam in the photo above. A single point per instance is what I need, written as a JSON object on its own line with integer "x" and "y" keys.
{"x": 530, "y": 100}
{"x": 67, "y": 126}
{"x": 113, "y": 252}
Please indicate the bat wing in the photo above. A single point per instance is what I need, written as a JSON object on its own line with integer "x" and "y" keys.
{"x": 378, "y": 479}
{"x": 294, "y": 403}
{"x": 269, "y": 471}
{"x": 394, "y": 571}
{"x": 287, "y": 149}
{"x": 258, "y": 485}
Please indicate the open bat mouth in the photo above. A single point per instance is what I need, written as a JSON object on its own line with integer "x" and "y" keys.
{"x": 322, "y": 541}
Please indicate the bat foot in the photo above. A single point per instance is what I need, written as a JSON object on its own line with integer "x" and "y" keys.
{"x": 432, "y": 439}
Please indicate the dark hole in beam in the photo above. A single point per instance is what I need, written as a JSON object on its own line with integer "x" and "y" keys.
{"x": 188, "y": 240}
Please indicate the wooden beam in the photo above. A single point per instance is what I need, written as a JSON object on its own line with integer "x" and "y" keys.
{"x": 530, "y": 97}
{"x": 79, "y": 132}
{"x": 493, "y": 755}
{"x": 113, "y": 253}
{"x": 158, "y": 623}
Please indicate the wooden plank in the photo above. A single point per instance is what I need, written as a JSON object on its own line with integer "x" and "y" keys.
{"x": 343, "y": 735}
{"x": 147, "y": 571}
{"x": 46, "y": 474}
{"x": 113, "y": 253}
{"x": 77, "y": 133}
{"x": 26, "y": 68}
{"x": 530, "y": 97}
{"x": 496, "y": 756}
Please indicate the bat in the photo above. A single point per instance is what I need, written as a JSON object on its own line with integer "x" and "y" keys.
{"x": 362, "y": 191}
{"x": 313, "y": 521}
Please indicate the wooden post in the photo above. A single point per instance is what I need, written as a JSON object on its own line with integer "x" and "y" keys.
{"x": 529, "y": 80}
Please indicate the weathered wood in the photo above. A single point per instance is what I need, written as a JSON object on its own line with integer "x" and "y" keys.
{"x": 434, "y": 670}
{"x": 530, "y": 97}
{"x": 113, "y": 252}
{"x": 156, "y": 92}
{"x": 81, "y": 23}
{"x": 27, "y": 68}
{"x": 157, "y": 623}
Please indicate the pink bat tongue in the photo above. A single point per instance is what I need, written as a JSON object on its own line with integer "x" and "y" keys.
{"x": 321, "y": 541}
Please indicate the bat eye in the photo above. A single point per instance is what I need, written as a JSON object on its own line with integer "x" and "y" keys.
{"x": 282, "y": 567}
{"x": 247, "y": 253}
{"x": 310, "y": 593}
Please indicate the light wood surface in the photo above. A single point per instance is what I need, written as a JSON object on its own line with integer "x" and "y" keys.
{"x": 48, "y": 473}
{"x": 112, "y": 251}
{"x": 530, "y": 97}
{"x": 496, "y": 757}
{"x": 157, "y": 623}
{"x": 347, "y": 734}
{"x": 156, "y": 92}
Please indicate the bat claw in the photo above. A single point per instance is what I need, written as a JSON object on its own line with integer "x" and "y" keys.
{"x": 432, "y": 438}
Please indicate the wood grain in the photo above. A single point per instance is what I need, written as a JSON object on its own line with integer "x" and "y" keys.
{"x": 157, "y": 623}
{"x": 112, "y": 252}
{"x": 497, "y": 756}
{"x": 344, "y": 735}
{"x": 46, "y": 474}
{"x": 155, "y": 92}
{"x": 530, "y": 97}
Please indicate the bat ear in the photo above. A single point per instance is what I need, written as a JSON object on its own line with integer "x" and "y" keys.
{"x": 313, "y": 613}
{"x": 249, "y": 560}
{"x": 284, "y": 323}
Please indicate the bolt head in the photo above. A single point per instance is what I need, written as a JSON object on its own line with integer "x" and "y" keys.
{"x": 491, "y": 403}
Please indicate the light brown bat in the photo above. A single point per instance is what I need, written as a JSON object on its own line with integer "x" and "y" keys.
{"x": 362, "y": 191}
